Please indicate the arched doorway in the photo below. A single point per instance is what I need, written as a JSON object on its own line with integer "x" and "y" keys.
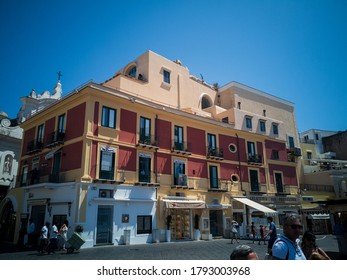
{"x": 7, "y": 221}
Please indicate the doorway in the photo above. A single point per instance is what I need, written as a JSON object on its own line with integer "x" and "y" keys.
{"x": 104, "y": 230}
{"x": 216, "y": 223}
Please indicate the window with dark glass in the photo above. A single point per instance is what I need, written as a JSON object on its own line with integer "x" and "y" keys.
{"x": 180, "y": 178}
{"x": 275, "y": 128}
{"x": 248, "y": 122}
{"x": 178, "y": 138}
{"x": 40, "y": 129}
{"x": 145, "y": 168}
{"x": 144, "y": 224}
{"x": 145, "y": 130}
{"x": 108, "y": 118}
{"x": 61, "y": 123}
{"x": 132, "y": 72}
{"x": 166, "y": 76}
{"x": 275, "y": 154}
{"x": 213, "y": 177}
{"x": 291, "y": 142}
{"x": 262, "y": 126}
{"x": 107, "y": 164}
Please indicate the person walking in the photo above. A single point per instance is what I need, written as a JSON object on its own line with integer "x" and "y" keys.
{"x": 272, "y": 233}
{"x": 53, "y": 240}
{"x": 262, "y": 235}
{"x": 287, "y": 246}
{"x": 31, "y": 233}
{"x": 234, "y": 232}
{"x": 253, "y": 231}
{"x": 62, "y": 235}
{"x": 44, "y": 243}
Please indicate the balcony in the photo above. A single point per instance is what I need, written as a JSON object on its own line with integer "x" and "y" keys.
{"x": 294, "y": 151}
{"x": 181, "y": 181}
{"x": 55, "y": 138}
{"x": 215, "y": 153}
{"x": 255, "y": 159}
{"x": 147, "y": 141}
{"x": 218, "y": 185}
{"x": 110, "y": 177}
{"x": 181, "y": 148}
{"x": 149, "y": 179}
{"x": 34, "y": 146}
{"x": 258, "y": 189}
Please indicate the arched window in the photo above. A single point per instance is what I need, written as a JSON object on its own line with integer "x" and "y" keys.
{"x": 205, "y": 102}
{"x": 132, "y": 72}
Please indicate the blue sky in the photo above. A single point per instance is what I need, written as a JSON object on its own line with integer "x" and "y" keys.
{"x": 296, "y": 50}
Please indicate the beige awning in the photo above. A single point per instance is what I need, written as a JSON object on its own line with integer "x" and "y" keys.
{"x": 190, "y": 204}
{"x": 254, "y": 205}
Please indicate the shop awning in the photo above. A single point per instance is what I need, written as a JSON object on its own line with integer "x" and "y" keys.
{"x": 190, "y": 204}
{"x": 254, "y": 205}
{"x": 319, "y": 216}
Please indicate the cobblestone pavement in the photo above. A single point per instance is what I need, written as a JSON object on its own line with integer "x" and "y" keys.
{"x": 216, "y": 249}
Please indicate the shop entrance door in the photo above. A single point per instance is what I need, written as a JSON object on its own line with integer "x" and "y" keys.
{"x": 180, "y": 226}
{"x": 216, "y": 222}
{"x": 104, "y": 225}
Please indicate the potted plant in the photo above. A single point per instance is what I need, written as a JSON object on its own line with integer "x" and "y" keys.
{"x": 196, "y": 227}
{"x": 168, "y": 225}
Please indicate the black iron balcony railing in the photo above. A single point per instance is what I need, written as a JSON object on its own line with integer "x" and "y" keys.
{"x": 34, "y": 146}
{"x": 294, "y": 151}
{"x": 255, "y": 159}
{"x": 181, "y": 147}
{"x": 218, "y": 185}
{"x": 147, "y": 140}
{"x": 55, "y": 138}
{"x": 215, "y": 153}
{"x": 147, "y": 178}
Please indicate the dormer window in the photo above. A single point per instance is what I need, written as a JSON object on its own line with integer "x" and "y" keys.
{"x": 132, "y": 72}
{"x": 249, "y": 122}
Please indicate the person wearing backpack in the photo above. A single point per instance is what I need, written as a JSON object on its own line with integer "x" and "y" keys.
{"x": 287, "y": 246}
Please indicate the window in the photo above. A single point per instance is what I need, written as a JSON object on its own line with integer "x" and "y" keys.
{"x": 145, "y": 168}
{"x": 275, "y": 155}
{"x": 166, "y": 76}
{"x": 275, "y": 128}
{"x": 251, "y": 148}
{"x": 317, "y": 136}
{"x": 180, "y": 178}
{"x": 213, "y": 177}
{"x": 24, "y": 175}
{"x": 262, "y": 126}
{"x": 253, "y": 174}
{"x": 107, "y": 163}
{"x": 264, "y": 113}
{"x": 178, "y": 138}
{"x": 108, "y": 117}
{"x": 205, "y": 102}
{"x": 145, "y": 130}
{"x": 239, "y": 105}
{"x": 232, "y": 148}
{"x": 40, "y": 133}
{"x": 235, "y": 178}
{"x": 225, "y": 120}
{"x": 211, "y": 141}
{"x": 132, "y": 72}
{"x": 309, "y": 155}
{"x": 248, "y": 122}
{"x": 144, "y": 224}
{"x": 291, "y": 142}
{"x": 61, "y": 123}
